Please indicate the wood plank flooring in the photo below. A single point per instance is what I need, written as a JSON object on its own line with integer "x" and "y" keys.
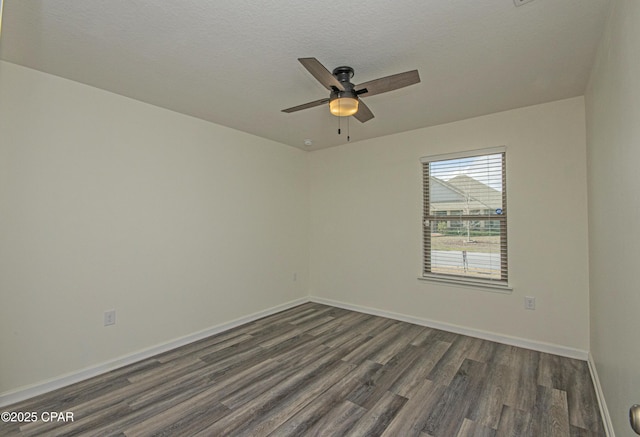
{"x": 315, "y": 370}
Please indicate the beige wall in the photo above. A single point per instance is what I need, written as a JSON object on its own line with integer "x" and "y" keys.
{"x": 613, "y": 147}
{"x": 365, "y": 244}
{"x": 106, "y": 202}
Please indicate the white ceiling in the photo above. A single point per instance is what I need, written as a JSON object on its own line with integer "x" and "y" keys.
{"x": 235, "y": 62}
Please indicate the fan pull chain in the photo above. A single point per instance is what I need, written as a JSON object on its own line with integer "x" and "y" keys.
{"x": 340, "y": 125}
{"x": 339, "y": 130}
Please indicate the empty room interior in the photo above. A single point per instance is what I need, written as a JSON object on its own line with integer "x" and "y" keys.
{"x": 197, "y": 238}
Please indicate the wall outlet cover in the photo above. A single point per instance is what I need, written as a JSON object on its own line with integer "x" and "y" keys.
{"x": 529, "y": 302}
{"x": 109, "y": 317}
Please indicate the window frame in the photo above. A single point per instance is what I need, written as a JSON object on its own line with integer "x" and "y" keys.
{"x": 501, "y": 284}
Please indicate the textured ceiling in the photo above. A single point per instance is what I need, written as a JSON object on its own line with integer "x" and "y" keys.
{"x": 235, "y": 62}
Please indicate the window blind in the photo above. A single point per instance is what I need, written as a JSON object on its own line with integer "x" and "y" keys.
{"x": 465, "y": 215}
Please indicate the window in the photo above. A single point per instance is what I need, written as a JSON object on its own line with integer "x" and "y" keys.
{"x": 465, "y": 217}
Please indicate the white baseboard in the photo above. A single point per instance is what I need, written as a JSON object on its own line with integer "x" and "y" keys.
{"x": 471, "y": 332}
{"x": 604, "y": 411}
{"x": 24, "y": 393}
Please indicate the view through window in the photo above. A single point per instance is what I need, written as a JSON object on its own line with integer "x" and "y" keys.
{"x": 465, "y": 216}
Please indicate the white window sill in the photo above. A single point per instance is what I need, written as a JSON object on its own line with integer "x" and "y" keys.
{"x": 464, "y": 282}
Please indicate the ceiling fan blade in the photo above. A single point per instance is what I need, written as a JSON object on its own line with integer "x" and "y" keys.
{"x": 319, "y": 71}
{"x": 307, "y": 105}
{"x": 388, "y": 83}
{"x": 364, "y": 113}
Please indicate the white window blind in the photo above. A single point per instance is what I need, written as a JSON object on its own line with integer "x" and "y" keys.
{"x": 465, "y": 216}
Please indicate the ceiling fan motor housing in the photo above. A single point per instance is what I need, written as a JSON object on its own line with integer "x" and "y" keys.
{"x": 347, "y": 97}
{"x": 343, "y": 74}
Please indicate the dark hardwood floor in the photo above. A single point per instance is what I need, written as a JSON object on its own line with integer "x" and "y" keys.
{"x": 319, "y": 370}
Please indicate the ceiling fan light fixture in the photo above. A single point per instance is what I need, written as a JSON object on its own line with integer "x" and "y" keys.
{"x": 344, "y": 105}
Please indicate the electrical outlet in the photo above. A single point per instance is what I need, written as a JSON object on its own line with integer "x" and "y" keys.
{"x": 109, "y": 317}
{"x": 529, "y": 303}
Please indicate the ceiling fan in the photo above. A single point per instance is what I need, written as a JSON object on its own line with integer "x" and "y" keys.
{"x": 344, "y": 99}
